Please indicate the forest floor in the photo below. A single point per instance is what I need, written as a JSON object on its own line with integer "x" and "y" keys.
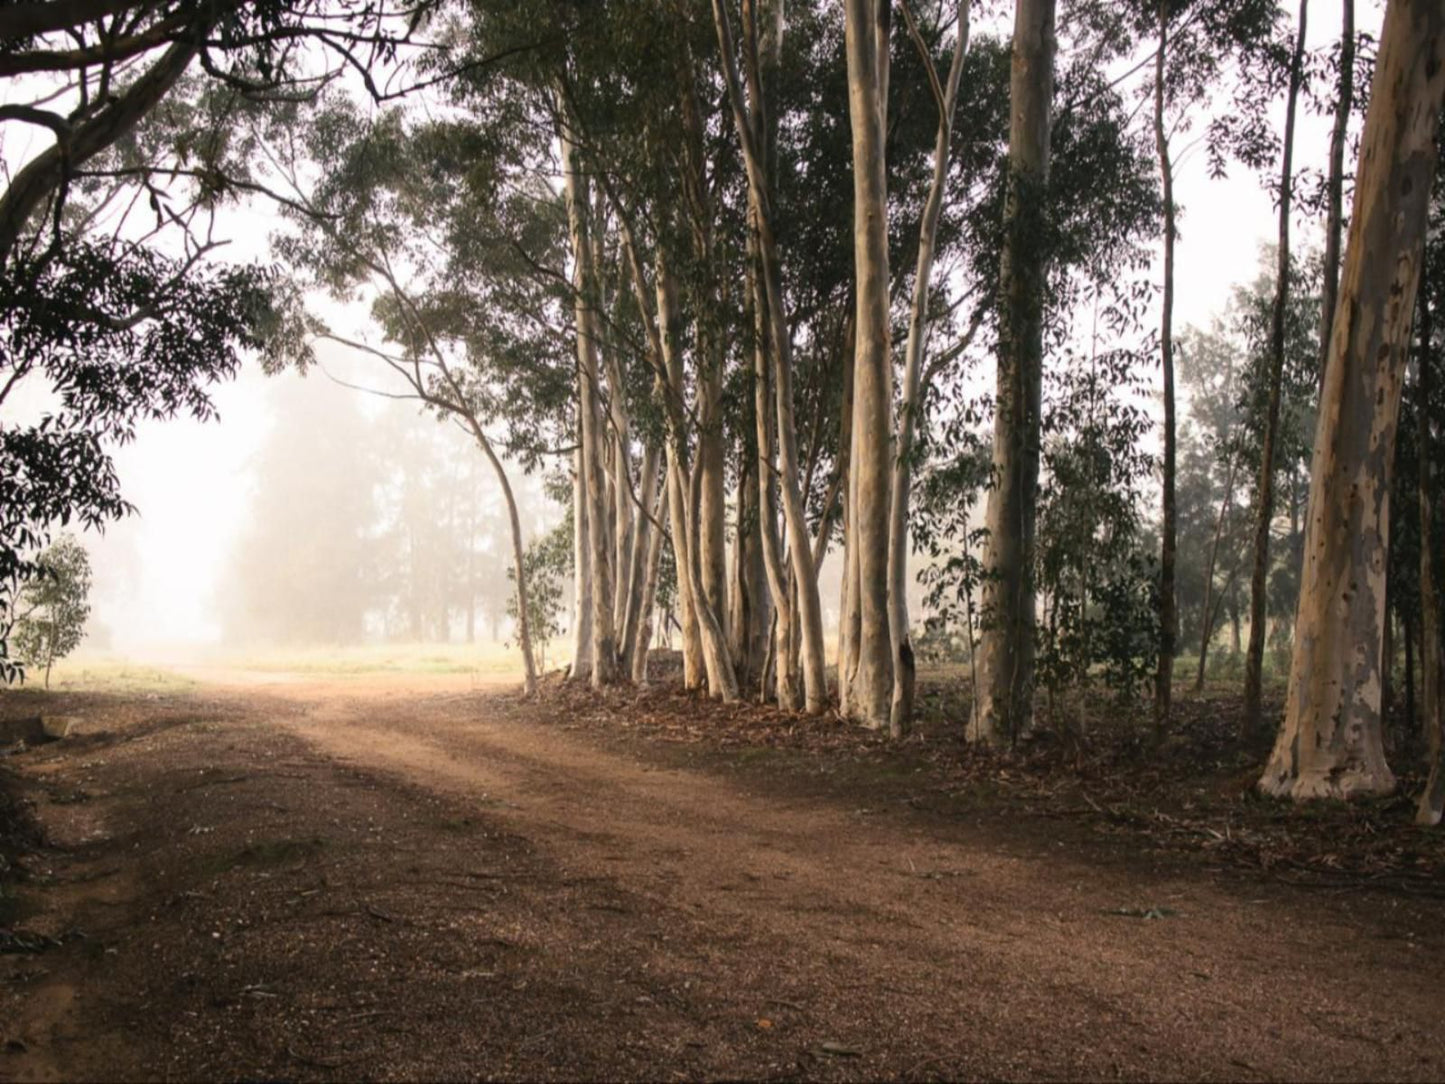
{"x": 423, "y": 877}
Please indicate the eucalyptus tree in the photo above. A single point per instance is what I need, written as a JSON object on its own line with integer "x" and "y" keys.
{"x": 1195, "y": 42}
{"x": 945, "y": 96}
{"x": 462, "y": 266}
{"x": 870, "y": 459}
{"x": 1006, "y": 661}
{"x": 1264, "y": 488}
{"x": 776, "y": 422}
{"x": 1331, "y": 742}
{"x": 1344, "y": 106}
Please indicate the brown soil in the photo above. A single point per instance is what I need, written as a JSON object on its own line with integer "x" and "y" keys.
{"x": 425, "y": 881}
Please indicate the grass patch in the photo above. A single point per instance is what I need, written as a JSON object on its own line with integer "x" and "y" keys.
{"x": 104, "y": 674}
{"x": 364, "y": 659}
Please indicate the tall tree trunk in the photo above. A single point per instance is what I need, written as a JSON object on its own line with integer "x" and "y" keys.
{"x": 1169, "y": 541}
{"x": 749, "y": 613}
{"x": 1431, "y": 806}
{"x": 873, "y": 362}
{"x": 581, "y": 573}
{"x": 623, "y": 516}
{"x": 1335, "y": 180}
{"x": 1006, "y": 656}
{"x": 643, "y": 639}
{"x": 722, "y": 681}
{"x": 599, "y": 541}
{"x": 789, "y": 698}
{"x": 752, "y": 134}
{"x": 638, "y": 570}
{"x": 1251, "y": 721}
{"x": 1210, "y": 606}
{"x": 946, "y": 97}
{"x": 514, "y": 521}
{"x": 1330, "y": 744}
{"x": 848, "y": 598}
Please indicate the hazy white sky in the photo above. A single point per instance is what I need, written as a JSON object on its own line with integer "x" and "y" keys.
{"x": 192, "y": 482}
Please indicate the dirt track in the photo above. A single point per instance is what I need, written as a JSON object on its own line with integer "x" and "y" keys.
{"x": 353, "y": 881}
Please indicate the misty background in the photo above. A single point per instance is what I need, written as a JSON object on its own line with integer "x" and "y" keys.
{"x": 315, "y": 513}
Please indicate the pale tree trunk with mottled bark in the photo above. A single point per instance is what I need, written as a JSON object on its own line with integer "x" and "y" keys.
{"x": 581, "y": 574}
{"x": 599, "y": 541}
{"x": 1251, "y": 721}
{"x": 873, "y": 363}
{"x": 1006, "y": 649}
{"x": 1331, "y": 744}
{"x": 905, "y": 672}
{"x": 1335, "y": 180}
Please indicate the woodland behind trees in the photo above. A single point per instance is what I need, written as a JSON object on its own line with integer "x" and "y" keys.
{"x": 760, "y": 286}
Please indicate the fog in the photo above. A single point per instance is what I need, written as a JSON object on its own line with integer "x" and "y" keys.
{"x": 302, "y": 473}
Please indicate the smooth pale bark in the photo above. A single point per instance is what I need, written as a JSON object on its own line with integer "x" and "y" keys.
{"x": 848, "y": 600}
{"x": 751, "y": 136}
{"x": 872, "y": 364}
{"x": 694, "y": 666}
{"x": 1251, "y": 721}
{"x": 1335, "y": 179}
{"x": 514, "y": 522}
{"x": 1331, "y": 742}
{"x": 616, "y": 435}
{"x": 623, "y": 515}
{"x": 905, "y": 671}
{"x": 638, "y": 568}
{"x": 599, "y": 541}
{"x": 786, "y": 689}
{"x": 1169, "y": 526}
{"x": 722, "y": 680}
{"x": 709, "y": 348}
{"x": 581, "y": 575}
{"x": 649, "y": 595}
{"x": 1431, "y": 806}
{"x": 1006, "y": 649}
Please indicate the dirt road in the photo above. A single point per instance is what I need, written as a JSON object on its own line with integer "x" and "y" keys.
{"x": 349, "y": 881}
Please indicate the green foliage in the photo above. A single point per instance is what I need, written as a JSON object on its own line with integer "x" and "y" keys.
{"x": 53, "y": 605}
{"x": 1226, "y": 373}
{"x": 1094, "y": 566}
{"x": 118, "y": 334}
{"x": 547, "y": 563}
